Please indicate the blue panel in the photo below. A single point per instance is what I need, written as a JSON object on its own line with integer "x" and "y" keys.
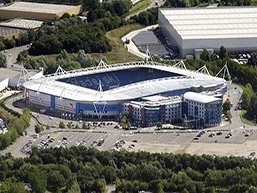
{"x": 113, "y": 79}
{"x": 77, "y": 108}
{"x": 91, "y": 107}
{"x": 53, "y": 103}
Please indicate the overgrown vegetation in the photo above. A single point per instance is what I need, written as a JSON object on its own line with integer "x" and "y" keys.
{"x": 64, "y": 59}
{"x": 243, "y": 74}
{"x": 89, "y": 170}
{"x": 139, "y": 6}
{"x": 16, "y": 127}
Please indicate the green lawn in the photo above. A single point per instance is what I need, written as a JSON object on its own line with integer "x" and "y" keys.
{"x": 118, "y": 53}
{"x": 245, "y": 119}
{"x": 139, "y": 6}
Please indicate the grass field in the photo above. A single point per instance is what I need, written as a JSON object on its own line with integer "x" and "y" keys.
{"x": 244, "y": 118}
{"x": 118, "y": 53}
{"x": 139, "y": 6}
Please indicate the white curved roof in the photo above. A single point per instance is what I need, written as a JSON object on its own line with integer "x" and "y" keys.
{"x": 49, "y": 85}
{"x": 199, "y": 97}
{"x": 218, "y": 22}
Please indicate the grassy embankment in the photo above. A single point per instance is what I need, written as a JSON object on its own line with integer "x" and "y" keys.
{"x": 118, "y": 53}
{"x": 245, "y": 119}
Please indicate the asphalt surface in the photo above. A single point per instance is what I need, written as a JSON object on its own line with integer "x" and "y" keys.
{"x": 12, "y": 54}
{"x": 75, "y": 137}
{"x": 154, "y": 3}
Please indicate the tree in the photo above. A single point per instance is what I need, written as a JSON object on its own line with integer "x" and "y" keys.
{"x": 61, "y": 125}
{"x": 9, "y": 43}
{"x": 2, "y": 46}
{"x": 253, "y": 60}
{"x": 205, "y": 55}
{"x": 247, "y": 95}
{"x": 10, "y": 186}
{"x": 37, "y": 181}
{"x": 252, "y": 189}
{"x": 85, "y": 125}
{"x": 223, "y": 53}
{"x": 69, "y": 125}
{"x": 160, "y": 188}
{"x": 3, "y": 63}
{"x": 159, "y": 126}
{"x": 226, "y": 106}
{"x": 185, "y": 124}
{"x": 74, "y": 188}
{"x": 55, "y": 181}
{"x": 121, "y": 7}
{"x": 39, "y": 128}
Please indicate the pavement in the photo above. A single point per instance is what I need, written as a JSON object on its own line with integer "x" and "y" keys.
{"x": 12, "y": 54}
{"x": 147, "y": 139}
{"x": 131, "y": 47}
{"x": 154, "y": 3}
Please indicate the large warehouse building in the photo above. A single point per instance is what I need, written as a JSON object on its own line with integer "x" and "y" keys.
{"x": 194, "y": 29}
{"x": 101, "y": 92}
{"x": 40, "y": 11}
{"x": 15, "y": 77}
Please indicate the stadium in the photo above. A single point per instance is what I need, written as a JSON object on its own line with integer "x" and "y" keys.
{"x": 100, "y": 92}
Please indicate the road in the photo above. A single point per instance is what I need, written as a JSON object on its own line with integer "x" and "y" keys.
{"x": 154, "y": 3}
{"x": 112, "y": 135}
{"x": 12, "y": 54}
{"x": 235, "y": 93}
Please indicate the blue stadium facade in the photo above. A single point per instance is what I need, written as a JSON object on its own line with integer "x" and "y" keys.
{"x": 101, "y": 92}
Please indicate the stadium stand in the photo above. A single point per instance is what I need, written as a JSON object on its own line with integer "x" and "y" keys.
{"x": 114, "y": 79}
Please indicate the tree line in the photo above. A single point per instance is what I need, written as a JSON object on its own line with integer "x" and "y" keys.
{"x": 243, "y": 74}
{"x": 89, "y": 170}
{"x": 63, "y": 59}
{"x": 16, "y": 127}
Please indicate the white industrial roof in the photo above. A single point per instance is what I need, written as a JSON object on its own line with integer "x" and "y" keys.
{"x": 36, "y": 7}
{"x": 49, "y": 85}
{"x": 22, "y": 23}
{"x": 201, "y": 98}
{"x": 220, "y": 22}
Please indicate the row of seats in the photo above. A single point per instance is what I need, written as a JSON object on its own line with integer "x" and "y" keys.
{"x": 110, "y": 80}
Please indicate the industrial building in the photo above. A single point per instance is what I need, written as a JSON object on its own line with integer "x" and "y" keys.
{"x": 9, "y": 33}
{"x": 22, "y": 23}
{"x": 101, "y": 92}
{"x": 15, "y": 77}
{"x": 194, "y": 29}
{"x": 38, "y": 11}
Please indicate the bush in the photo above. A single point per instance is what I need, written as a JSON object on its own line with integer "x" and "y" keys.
{"x": 39, "y": 128}
{"x": 61, "y": 125}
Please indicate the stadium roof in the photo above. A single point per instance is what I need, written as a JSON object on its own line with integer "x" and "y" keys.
{"x": 7, "y": 31}
{"x": 22, "y": 23}
{"x": 212, "y": 23}
{"x": 36, "y": 7}
{"x": 198, "y": 97}
{"x": 13, "y": 72}
{"x": 50, "y": 86}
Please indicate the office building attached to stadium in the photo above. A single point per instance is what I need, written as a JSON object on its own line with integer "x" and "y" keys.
{"x": 103, "y": 92}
